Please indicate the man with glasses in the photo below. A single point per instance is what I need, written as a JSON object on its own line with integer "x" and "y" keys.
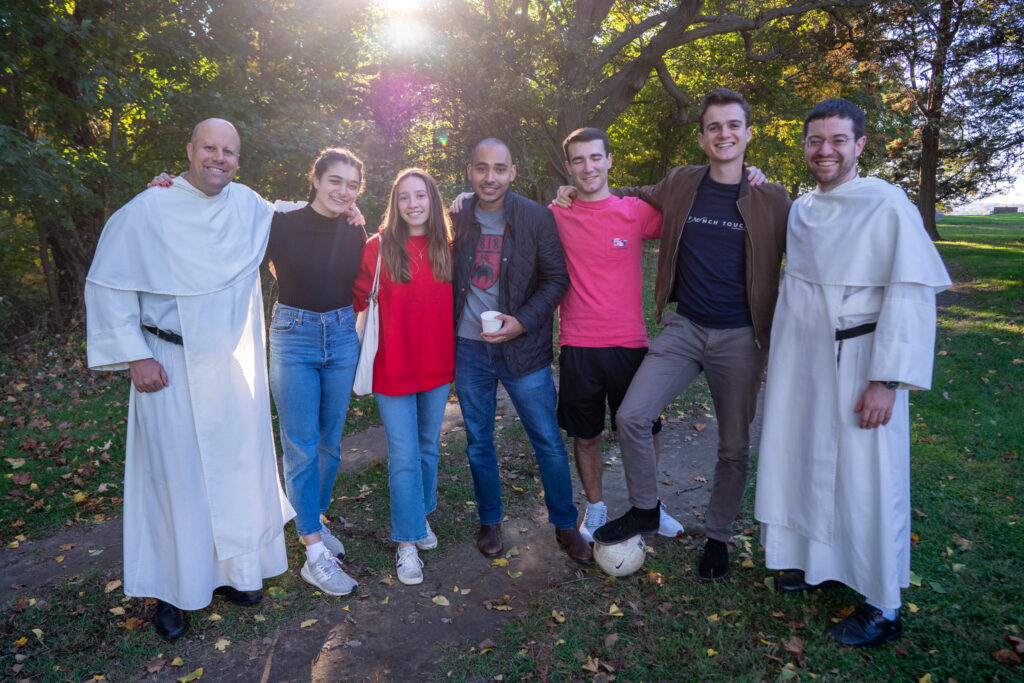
{"x": 854, "y": 329}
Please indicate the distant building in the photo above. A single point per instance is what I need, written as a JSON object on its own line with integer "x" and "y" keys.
{"x": 1005, "y": 209}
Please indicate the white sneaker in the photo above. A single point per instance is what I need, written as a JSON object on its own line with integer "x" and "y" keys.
{"x": 669, "y": 525}
{"x": 334, "y": 545}
{"x": 430, "y": 542}
{"x": 408, "y": 565}
{"x": 595, "y": 517}
{"x": 327, "y": 575}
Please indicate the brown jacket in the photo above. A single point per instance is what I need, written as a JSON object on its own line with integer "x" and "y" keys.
{"x": 765, "y": 210}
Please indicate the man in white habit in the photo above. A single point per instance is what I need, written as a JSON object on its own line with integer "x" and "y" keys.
{"x": 174, "y": 296}
{"x": 854, "y": 330}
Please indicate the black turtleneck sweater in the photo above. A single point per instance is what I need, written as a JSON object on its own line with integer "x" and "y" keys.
{"x": 316, "y": 259}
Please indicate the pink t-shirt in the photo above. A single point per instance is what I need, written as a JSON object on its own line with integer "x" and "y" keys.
{"x": 604, "y": 247}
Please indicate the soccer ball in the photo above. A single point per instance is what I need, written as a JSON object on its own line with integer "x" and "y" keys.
{"x": 621, "y": 559}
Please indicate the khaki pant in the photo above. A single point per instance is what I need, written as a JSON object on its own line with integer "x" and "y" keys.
{"x": 733, "y": 366}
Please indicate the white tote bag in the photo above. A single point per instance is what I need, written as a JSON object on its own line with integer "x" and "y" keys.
{"x": 368, "y": 329}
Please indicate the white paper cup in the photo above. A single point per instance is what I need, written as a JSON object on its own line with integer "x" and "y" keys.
{"x": 490, "y": 322}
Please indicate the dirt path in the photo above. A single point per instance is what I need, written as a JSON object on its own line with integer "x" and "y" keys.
{"x": 396, "y": 632}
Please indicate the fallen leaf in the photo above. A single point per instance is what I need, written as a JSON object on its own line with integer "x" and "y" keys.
{"x": 486, "y": 645}
{"x": 38, "y": 633}
{"x": 913, "y": 608}
{"x": 610, "y": 640}
{"x": 938, "y": 587}
{"x": 387, "y": 580}
{"x": 963, "y": 543}
{"x": 112, "y": 585}
{"x": 794, "y": 645}
{"x": 66, "y": 547}
{"x": 559, "y": 617}
{"x": 465, "y": 591}
{"x": 699, "y": 426}
{"x": 441, "y": 601}
{"x": 93, "y": 552}
{"x": 499, "y": 562}
{"x": 307, "y": 623}
{"x": 15, "y": 463}
{"x": 117, "y": 611}
{"x": 591, "y": 665}
{"x": 156, "y": 666}
{"x": 927, "y": 678}
{"x": 747, "y": 563}
{"x": 712, "y": 653}
{"x": 13, "y": 544}
{"x": 958, "y": 567}
{"x": 194, "y": 676}
{"x": 614, "y": 610}
{"x": 512, "y": 552}
{"x": 515, "y": 575}
{"x": 915, "y": 580}
{"x": 1006, "y": 657}
{"x": 274, "y": 592}
{"x": 385, "y": 600}
{"x": 259, "y": 617}
{"x": 702, "y": 480}
{"x": 214, "y": 617}
{"x": 177, "y": 661}
{"x": 221, "y": 644}
{"x": 1018, "y": 644}
{"x": 59, "y": 559}
{"x": 132, "y": 623}
{"x": 713, "y": 618}
{"x": 20, "y": 641}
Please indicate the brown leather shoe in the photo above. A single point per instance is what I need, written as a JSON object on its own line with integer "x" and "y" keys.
{"x": 488, "y": 540}
{"x": 575, "y": 547}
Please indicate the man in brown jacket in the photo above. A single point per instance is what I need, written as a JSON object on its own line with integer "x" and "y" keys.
{"x": 723, "y": 272}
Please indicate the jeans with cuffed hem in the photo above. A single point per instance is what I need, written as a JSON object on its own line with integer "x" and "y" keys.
{"x": 312, "y": 364}
{"x": 479, "y": 366}
{"x": 412, "y": 424}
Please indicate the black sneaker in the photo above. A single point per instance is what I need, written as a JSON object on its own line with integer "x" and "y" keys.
{"x": 634, "y": 522}
{"x": 714, "y": 565}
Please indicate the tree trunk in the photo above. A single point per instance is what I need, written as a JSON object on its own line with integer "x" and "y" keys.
{"x": 929, "y": 169}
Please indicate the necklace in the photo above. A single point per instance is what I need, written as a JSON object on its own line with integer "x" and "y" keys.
{"x": 412, "y": 244}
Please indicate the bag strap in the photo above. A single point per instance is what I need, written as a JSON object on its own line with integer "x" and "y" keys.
{"x": 376, "y": 281}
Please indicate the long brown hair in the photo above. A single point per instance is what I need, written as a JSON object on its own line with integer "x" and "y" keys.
{"x": 394, "y": 231}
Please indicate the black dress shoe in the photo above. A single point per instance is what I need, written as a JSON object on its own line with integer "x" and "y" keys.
{"x": 714, "y": 564}
{"x": 866, "y": 627}
{"x": 635, "y": 521}
{"x": 169, "y": 621}
{"x": 243, "y": 598}
{"x": 792, "y": 581}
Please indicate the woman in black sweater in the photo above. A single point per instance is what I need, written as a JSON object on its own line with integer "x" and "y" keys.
{"x": 315, "y": 255}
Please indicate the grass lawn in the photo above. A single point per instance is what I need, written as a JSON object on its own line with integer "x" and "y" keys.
{"x": 62, "y": 432}
{"x": 968, "y": 557}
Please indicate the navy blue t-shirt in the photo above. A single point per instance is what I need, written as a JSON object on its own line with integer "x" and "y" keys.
{"x": 710, "y": 285}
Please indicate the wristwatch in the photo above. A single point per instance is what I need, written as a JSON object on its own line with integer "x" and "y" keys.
{"x": 891, "y": 385}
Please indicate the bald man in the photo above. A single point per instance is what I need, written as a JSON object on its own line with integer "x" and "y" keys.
{"x": 508, "y": 259}
{"x": 173, "y": 296}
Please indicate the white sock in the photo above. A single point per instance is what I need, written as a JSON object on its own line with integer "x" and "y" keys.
{"x": 315, "y": 551}
{"x": 890, "y": 614}
{"x": 595, "y": 506}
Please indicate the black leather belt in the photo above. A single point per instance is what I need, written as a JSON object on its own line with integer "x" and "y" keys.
{"x": 166, "y": 336}
{"x": 851, "y": 332}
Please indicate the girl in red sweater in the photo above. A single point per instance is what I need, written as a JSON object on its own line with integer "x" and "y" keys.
{"x": 415, "y": 360}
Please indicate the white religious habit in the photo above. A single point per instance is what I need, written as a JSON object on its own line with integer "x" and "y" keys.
{"x": 834, "y": 499}
{"x": 203, "y": 505}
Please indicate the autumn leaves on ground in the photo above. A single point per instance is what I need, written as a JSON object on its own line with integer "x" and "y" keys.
{"x": 61, "y": 437}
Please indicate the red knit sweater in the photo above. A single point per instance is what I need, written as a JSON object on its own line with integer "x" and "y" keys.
{"x": 417, "y": 337}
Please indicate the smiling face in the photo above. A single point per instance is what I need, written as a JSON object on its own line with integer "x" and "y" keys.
{"x": 588, "y": 165}
{"x": 831, "y": 151}
{"x": 414, "y": 204}
{"x": 336, "y": 189}
{"x": 491, "y": 173}
{"x": 725, "y": 133}
{"x": 213, "y": 156}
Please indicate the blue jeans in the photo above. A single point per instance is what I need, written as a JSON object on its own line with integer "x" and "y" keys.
{"x": 312, "y": 363}
{"x": 478, "y": 367}
{"x": 412, "y": 423}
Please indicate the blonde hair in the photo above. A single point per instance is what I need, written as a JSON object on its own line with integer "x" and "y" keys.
{"x": 394, "y": 231}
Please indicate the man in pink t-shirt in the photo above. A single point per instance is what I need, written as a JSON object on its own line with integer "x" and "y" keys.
{"x": 602, "y": 334}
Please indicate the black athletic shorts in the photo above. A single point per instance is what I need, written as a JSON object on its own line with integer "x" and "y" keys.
{"x": 587, "y": 377}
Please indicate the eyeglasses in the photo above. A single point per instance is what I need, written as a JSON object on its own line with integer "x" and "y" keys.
{"x": 814, "y": 142}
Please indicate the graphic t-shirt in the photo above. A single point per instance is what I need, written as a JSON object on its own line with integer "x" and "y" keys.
{"x": 711, "y": 266}
{"x": 483, "y": 290}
